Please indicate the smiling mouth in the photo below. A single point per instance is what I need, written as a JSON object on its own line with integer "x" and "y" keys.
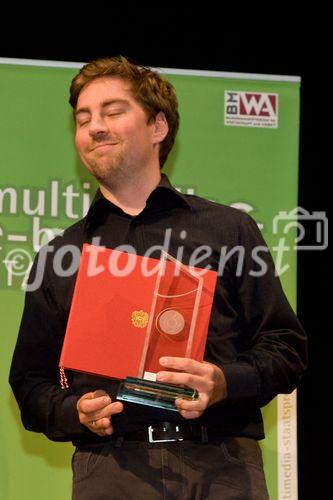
{"x": 105, "y": 144}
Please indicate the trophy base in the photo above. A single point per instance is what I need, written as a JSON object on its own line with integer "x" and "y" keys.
{"x": 157, "y": 394}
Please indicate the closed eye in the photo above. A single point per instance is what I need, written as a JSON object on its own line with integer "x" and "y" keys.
{"x": 114, "y": 113}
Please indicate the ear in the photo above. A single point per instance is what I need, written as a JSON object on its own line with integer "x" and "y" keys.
{"x": 161, "y": 128}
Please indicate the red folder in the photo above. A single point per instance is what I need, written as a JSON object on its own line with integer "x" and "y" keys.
{"x": 127, "y": 311}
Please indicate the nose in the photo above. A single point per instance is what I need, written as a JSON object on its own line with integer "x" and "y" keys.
{"x": 97, "y": 127}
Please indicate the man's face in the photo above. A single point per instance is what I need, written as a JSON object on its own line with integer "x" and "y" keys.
{"x": 112, "y": 135}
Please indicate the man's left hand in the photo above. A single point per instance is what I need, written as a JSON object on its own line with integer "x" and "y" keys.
{"x": 207, "y": 378}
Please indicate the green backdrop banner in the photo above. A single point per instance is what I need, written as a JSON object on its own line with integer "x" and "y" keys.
{"x": 237, "y": 144}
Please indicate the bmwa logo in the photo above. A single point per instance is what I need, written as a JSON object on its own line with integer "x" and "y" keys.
{"x": 250, "y": 109}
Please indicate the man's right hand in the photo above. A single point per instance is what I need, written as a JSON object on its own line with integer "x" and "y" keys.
{"x": 95, "y": 410}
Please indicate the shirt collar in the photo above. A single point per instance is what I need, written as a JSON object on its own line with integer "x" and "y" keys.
{"x": 164, "y": 186}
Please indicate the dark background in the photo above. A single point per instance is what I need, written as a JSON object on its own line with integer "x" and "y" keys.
{"x": 257, "y": 41}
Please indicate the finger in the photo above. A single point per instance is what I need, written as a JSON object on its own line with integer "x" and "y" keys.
{"x": 107, "y": 411}
{"x": 193, "y": 381}
{"x": 190, "y": 414}
{"x": 94, "y": 394}
{"x": 101, "y": 427}
{"x": 197, "y": 405}
{"x": 101, "y": 424}
{"x": 100, "y": 392}
{"x": 185, "y": 364}
{"x": 89, "y": 403}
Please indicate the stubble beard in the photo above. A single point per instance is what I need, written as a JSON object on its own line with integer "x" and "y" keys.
{"x": 110, "y": 172}
{"x": 119, "y": 169}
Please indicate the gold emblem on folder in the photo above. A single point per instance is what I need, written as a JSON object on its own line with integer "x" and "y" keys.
{"x": 140, "y": 318}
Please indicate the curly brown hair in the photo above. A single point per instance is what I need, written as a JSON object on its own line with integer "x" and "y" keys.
{"x": 149, "y": 88}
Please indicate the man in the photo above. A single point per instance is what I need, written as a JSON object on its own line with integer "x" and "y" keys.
{"x": 126, "y": 123}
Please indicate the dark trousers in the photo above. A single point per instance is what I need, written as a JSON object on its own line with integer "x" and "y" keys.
{"x": 228, "y": 468}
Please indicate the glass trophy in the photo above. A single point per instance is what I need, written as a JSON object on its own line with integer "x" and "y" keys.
{"x": 170, "y": 332}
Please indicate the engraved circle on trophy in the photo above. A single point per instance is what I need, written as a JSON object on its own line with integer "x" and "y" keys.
{"x": 170, "y": 321}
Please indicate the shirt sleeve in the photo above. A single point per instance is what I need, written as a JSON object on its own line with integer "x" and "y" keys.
{"x": 34, "y": 374}
{"x": 274, "y": 353}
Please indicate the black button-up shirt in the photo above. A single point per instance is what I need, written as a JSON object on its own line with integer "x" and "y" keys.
{"x": 254, "y": 335}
